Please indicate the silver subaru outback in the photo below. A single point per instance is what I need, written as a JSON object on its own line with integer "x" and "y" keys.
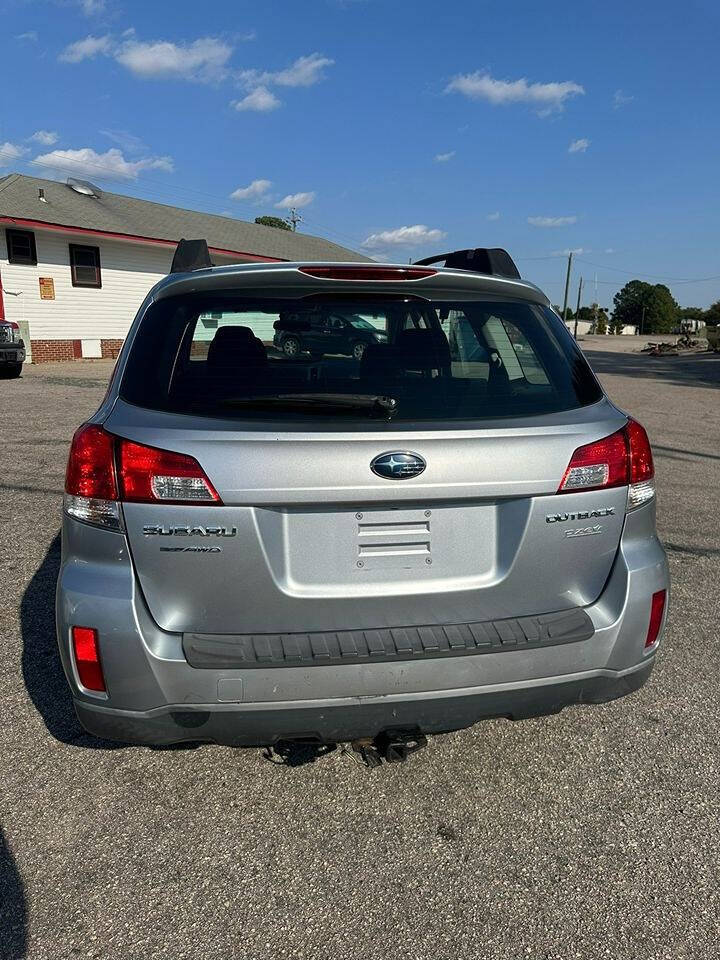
{"x": 450, "y": 522}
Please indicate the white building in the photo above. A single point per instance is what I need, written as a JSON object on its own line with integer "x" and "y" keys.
{"x": 76, "y": 262}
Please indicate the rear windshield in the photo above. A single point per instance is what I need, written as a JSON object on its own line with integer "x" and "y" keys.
{"x": 359, "y": 358}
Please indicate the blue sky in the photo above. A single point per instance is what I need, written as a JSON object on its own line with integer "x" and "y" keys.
{"x": 399, "y": 128}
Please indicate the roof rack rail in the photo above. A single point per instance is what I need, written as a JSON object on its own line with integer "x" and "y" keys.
{"x": 491, "y": 260}
{"x": 191, "y": 255}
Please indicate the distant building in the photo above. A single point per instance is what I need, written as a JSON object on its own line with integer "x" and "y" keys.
{"x": 76, "y": 262}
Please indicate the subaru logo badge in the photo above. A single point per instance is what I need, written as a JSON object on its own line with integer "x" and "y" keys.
{"x": 398, "y": 465}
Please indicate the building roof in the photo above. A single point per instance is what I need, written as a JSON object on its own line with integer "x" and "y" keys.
{"x": 122, "y": 216}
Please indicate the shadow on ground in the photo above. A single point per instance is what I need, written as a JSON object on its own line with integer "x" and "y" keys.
{"x": 41, "y": 667}
{"x": 13, "y": 907}
{"x": 692, "y": 370}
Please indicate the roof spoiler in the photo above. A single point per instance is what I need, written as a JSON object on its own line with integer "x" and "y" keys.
{"x": 191, "y": 255}
{"x": 493, "y": 260}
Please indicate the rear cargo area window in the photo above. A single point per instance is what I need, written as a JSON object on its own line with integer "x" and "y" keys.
{"x": 355, "y": 359}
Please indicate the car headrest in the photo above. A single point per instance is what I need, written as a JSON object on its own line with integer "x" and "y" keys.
{"x": 235, "y": 345}
{"x": 422, "y": 348}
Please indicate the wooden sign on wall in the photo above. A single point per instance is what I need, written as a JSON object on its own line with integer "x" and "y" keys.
{"x": 47, "y": 288}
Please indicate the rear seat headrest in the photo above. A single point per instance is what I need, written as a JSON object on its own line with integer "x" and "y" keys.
{"x": 233, "y": 345}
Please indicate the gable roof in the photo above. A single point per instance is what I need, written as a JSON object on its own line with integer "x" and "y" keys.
{"x": 116, "y": 214}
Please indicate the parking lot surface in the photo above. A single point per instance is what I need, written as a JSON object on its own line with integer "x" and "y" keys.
{"x": 590, "y": 834}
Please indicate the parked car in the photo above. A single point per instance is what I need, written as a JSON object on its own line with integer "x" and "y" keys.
{"x": 260, "y": 547}
{"x": 12, "y": 349}
{"x": 322, "y": 333}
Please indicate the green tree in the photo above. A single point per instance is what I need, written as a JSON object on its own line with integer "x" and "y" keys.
{"x": 694, "y": 313}
{"x": 651, "y": 308}
{"x": 712, "y": 314}
{"x": 276, "y": 222}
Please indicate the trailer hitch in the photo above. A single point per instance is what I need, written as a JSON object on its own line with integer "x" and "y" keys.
{"x": 392, "y": 746}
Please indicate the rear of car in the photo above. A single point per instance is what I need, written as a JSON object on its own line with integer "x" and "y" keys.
{"x": 453, "y": 523}
{"x": 12, "y": 350}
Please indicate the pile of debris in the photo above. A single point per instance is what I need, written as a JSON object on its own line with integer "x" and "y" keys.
{"x": 683, "y": 344}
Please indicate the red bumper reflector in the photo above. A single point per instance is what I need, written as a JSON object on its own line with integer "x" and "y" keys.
{"x": 87, "y": 658}
{"x": 657, "y": 608}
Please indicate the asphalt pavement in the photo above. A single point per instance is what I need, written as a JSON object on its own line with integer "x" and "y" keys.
{"x": 590, "y": 834}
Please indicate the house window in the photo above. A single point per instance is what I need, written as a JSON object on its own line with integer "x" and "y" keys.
{"x": 85, "y": 266}
{"x": 21, "y": 246}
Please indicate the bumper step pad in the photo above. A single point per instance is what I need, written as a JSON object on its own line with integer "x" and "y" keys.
{"x": 236, "y": 651}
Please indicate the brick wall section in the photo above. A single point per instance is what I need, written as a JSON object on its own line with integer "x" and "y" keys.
{"x": 45, "y": 351}
{"x": 110, "y": 348}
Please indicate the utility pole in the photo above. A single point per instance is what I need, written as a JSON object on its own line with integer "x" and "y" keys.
{"x": 578, "y": 307}
{"x": 642, "y": 320}
{"x": 567, "y": 286}
{"x": 294, "y": 219}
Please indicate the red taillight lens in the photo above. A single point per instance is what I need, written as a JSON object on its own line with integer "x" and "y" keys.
{"x": 598, "y": 465}
{"x": 368, "y": 273}
{"x": 91, "y": 467}
{"x": 623, "y": 458}
{"x": 87, "y": 658}
{"x": 641, "y": 459}
{"x": 657, "y": 608}
{"x": 149, "y": 475}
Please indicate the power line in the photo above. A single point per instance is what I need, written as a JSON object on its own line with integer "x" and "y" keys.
{"x": 638, "y": 273}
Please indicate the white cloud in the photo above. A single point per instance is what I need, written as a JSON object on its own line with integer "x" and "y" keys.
{"x": 304, "y": 72}
{"x": 29, "y": 36}
{"x": 86, "y": 49}
{"x": 125, "y": 140}
{"x": 493, "y": 216}
{"x": 255, "y": 191}
{"x": 404, "y": 237}
{"x": 203, "y": 60}
{"x": 609, "y": 250}
{"x": 46, "y": 137}
{"x": 620, "y": 99}
{"x": 111, "y": 165}
{"x": 260, "y": 99}
{"x": 92, "y": 7}
{"x": 547, "y": 97}
{"x": 551, "y": 221}
{"x": 296, "y": 200}
{"x": 444, "y": 157}
{"x": 579, "y": 146}
{"x": 10, "y": 153}
{"x": 575, "y": 251}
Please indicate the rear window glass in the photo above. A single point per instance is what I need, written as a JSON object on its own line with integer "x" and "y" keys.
{"x": 398, "y": 359}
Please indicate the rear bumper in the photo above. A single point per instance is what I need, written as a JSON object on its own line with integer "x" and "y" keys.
{"x": 156, "y": 696}
{"x": 349, "y": 719}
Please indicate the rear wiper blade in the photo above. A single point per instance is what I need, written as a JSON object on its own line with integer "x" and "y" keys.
{"x": 379, "y": 406}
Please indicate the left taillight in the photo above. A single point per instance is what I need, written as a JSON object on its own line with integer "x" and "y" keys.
{"x": 104, "y": 470}
{"x": 622, "y": 459}
{"x": 91, "y": 490}
{"x": 150, "y": 475}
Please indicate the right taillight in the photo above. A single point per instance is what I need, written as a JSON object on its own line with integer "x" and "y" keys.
{"x": 622, "y": 459}
{"x": 104, "y": 470}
